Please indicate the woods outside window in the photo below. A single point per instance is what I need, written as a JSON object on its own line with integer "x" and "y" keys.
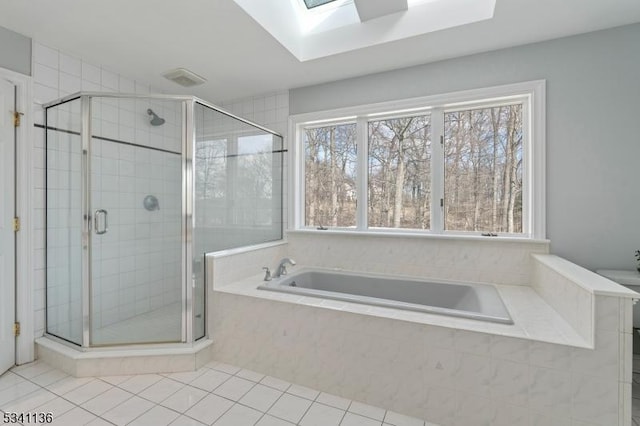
{"x": 464, "y": 163}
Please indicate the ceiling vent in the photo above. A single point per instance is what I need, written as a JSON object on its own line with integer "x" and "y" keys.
{"x": 184, "y": 77}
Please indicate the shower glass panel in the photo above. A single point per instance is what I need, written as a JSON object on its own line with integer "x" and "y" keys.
{"x": 136, "y": 241}
{"x": 139, "y": 189}
{"x": 237, "y": 190}
{"x": 64, "y": 221}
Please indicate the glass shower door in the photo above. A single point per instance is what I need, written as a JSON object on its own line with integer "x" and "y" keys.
{"x": 64, "y": 266}
{"x": 136, "y": 231}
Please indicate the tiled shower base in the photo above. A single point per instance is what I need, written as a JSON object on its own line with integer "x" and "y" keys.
{"x": 216, "y": 394}
{"x": 159, "y": 325}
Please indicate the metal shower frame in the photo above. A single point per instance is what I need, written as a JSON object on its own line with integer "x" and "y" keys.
{"x": 188, "y": 146}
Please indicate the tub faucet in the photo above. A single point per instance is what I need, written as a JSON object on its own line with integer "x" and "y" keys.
{"x": 282, "y": 267}
{"x": 267, "y": 273}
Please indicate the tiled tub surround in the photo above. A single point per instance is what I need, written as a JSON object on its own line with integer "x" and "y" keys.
{"x": 450, "y": 371}
{"x": 492, "y": 260}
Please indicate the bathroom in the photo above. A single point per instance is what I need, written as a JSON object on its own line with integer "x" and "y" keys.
{"x": 185, "y": 327}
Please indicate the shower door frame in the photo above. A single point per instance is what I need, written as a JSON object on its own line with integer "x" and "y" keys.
{"x": 188, "y": 104}
{"x": 188, "y": 138}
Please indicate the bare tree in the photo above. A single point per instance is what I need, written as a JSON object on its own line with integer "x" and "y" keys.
{"x": 482, "y": 162}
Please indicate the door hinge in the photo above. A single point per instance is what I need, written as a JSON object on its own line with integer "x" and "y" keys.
{"x": 16, "y": 224}
{"x": 16, "y": 329}
{"x": 16, "y": 118}
{"x": 442, "y": 140}
{"x": 441, "y": 202}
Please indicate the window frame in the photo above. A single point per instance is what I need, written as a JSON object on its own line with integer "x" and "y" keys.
{"x": 532, "y": 96}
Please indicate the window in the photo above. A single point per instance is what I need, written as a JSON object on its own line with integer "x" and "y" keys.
{"x": 467, "y": 163}
{"x": 330, "y": 175}
{"x": 315, "y": 3}
{"x": 399, "y": 174}
{"x": 483, "y": 169}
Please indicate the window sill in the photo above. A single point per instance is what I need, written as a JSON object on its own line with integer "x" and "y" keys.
{"x": 425, "y": 235}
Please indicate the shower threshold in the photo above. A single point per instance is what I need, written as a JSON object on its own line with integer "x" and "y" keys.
{"x": 124, "y": 360}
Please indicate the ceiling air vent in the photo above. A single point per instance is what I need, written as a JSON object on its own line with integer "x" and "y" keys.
{"x": 184, "y": 77}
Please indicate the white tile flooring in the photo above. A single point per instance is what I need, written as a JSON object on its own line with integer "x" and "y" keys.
{"x": 217, "y": 394}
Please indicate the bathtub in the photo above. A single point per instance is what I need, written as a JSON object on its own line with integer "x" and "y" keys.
{"x": 466, "y": 300}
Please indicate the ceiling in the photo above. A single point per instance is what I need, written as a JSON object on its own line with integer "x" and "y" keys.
{"x": 346, "y": 25}
{"x": 218, "y": 40}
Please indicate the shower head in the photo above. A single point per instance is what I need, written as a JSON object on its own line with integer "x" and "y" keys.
{"x": 155, "y": 120}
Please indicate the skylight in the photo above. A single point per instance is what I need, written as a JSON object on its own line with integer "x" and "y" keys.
{"x": 315, "y": 3}
{"x": 312, "y": 29}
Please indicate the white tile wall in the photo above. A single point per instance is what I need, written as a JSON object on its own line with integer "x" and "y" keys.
{"x": 64, "y": 230}
{"x": 569, "y": 299}
{"x": 431, "y": 370}
{"x": 498, "y": 262}
{"x": 447, "y": 376}
{"x": 57, "y": 74}
{"x": 234, "y": 267}
{"x": 137, "y": 263}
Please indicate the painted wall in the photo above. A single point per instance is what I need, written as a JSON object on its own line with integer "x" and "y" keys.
{"x": 593, "y": 147}
{"x": 16, "y": 51}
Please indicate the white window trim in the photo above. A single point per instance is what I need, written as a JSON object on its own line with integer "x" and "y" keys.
{"x": 534, "y": 154}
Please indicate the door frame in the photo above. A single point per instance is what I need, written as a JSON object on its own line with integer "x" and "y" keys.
{"x": 25, "y": 155}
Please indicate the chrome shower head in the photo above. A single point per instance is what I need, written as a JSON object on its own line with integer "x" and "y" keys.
{"x": 155, "y": 120}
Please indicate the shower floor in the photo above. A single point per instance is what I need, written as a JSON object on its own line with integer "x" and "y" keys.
{"x": 157, "y": 326}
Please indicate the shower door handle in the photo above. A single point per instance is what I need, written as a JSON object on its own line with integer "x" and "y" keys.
{"x": 100, "y": 221}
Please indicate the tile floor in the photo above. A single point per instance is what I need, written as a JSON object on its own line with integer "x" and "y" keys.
{"x": 217, "y": 394}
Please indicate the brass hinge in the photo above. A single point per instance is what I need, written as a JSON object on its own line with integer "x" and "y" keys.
{"x": 16, "y": 224}
{"x": 16, "y": 329}
{"x": 16, "y": 118}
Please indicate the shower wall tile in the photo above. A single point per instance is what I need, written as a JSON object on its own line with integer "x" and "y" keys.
{"x": 58, "y": 74}
{"x": 140, "y": 269}
{"x": 70, "y": 65}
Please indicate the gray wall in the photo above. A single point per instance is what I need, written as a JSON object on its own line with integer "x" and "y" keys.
{"x": 593, "y": 129}
{"x": 15, "y": 51}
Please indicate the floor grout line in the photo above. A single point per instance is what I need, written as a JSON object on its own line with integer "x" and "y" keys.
{"x": 61, "y": 395}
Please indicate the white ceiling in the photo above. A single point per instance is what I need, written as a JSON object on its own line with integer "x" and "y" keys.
{"x": 218, "y": 40}
{"x": 345, "y": 25}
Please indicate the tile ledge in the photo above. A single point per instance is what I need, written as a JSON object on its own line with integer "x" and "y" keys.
{"x": 112, "y": 352}
{"x": 423, "y": 235}
{"x": 584, "y": 278}
{"x": 246, "y": 249}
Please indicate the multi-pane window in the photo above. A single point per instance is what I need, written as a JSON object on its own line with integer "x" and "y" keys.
{"x": 447, "y": 167}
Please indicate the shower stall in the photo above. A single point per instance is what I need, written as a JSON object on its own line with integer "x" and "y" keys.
{"x": 138, "y": 189}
